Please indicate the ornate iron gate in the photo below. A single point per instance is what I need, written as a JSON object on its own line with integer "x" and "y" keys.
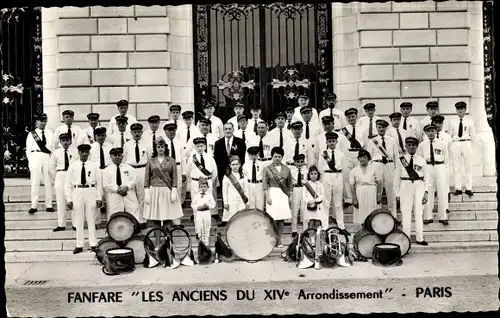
{"x": 489, "y": 65}
{"x": 262, "y": 55}
{"x": 21, "y": 94}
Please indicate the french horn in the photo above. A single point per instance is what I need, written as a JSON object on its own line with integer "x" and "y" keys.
{"x": 205, "y": 254}
{"x": 156, "y": 246}
{"x": 307, "y": 248}
{"x": 222, "y": 251}
{"x": 184, "y": 255}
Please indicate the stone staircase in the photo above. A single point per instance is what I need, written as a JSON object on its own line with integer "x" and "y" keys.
{"x": 29, "y": 238}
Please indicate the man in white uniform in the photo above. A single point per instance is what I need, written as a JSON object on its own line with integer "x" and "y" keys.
{"x": 74, "y": 132}
{"x": 175, "y": 114}
{"x": 216, "y": 126}
{"x": 255, "y": 120}
{"x": 121, "y": 135}
{"x": 396, "y": 132}
{"x": 89, "y": 132}
{"x": 463, "y": 134}
{"x": 152, "y": 134}
{"x": 435, "y": 153}
{"x": 338, "y": 116}
{"x": 438, "y": 121}
{"x": 119, "y": 180}
{"x": 289, "y": 117}
{"x": 122, "y": 106}
{"x": 432, "y": 110}
{"x": 297, "y": 146}
{"x": 244, "y": 132}
{"x": 204, "y": 128}
{"x": 39, "y": 145}
{"x": 311, "y": 131}
{"x": 60, "y": 160}
{"x": 264, "y": 142}
{"x": 410, "y": 124}
{"x": 280, "y": 134}
{"x": 135, "y": 154}
{"x": 239, "y": 108}
{"x": 303, "y": 101}
{"x": 366, "y": 124}
{"x": 411, "y": 181}
{"x": 83, "y": 190}
{"x": 252, "y": 169}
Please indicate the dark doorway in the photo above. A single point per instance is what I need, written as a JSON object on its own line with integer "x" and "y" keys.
{"x": 22, "y": 93}
{"x": 261, "y": 55}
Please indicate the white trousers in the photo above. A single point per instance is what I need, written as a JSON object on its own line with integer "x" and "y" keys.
{"x": 438, "y": 175}
{"x": 298, "y": 205}
{"x": 181, "y": 191}
{"x": 116, "y": 203}
{"x": 61, "y": 200}
{"x": 84, "y": 204}
{"x": 461, "y": 151}
{"x": 39, "y": 165}
{"x": 346, "y": 171}
{"x": 387, "y": 172}
{"x": 334, "y": 188}
{"x": 411, "y": 200}
{"x": 140, "y": 192}
{"x": 256, "y": 196}
{"x": 203, "y": 222}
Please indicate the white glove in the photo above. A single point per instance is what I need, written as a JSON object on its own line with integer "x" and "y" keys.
{"x": 173, "y": 195}
{"x": 147, "y": 196}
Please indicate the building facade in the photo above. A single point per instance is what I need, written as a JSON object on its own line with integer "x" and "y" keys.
{"x": 384, "y": 53}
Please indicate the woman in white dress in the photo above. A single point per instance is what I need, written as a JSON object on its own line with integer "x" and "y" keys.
{"x": 160, "y": 184}
{"x": 364, "y": 179}
{"x": 315, "y": 213}
{"x": 278, "y": 186}
{"x": 233, "y": 199}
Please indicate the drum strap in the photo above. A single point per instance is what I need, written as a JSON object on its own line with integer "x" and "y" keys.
{"x": 237, "y": 186}
{"x": 352, "y": 139}
{"x": 311, "y": 190}
{"x": 279, "y": 180}
{"x": 41, "y": 145}
{"x": 331, "y": 165}
{"x": 161, "y": 173}
{"x": 411, "y": 173}
{"x": 200, "y": 167}
{"x": 382, "y": 150}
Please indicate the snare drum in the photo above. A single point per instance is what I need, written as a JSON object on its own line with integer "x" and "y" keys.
{"x": 251, "y": 234}
{"x": 400, "y": 238}
{"x": 118, "y": 261}
{"x": 104, "y": 245}
{"x": 380, "y": 221}
{"x": 364, "y": 242}
{"x": 122, "y": 226}
{"x": 386, "y": 254}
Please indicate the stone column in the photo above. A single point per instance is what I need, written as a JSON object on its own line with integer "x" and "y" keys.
{"x": 485, "y": 143}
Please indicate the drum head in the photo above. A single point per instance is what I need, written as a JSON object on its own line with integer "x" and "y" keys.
{"x": 104, "y": 245}
{"x": 118, "y": 251}
{"x": 382, "y": 222}
{"x": 251, "y": 234}
{"x": 398, "y": 237}
{"x": 122, "y": 226}
{"x": 137, "y": 244}
{"x": 365, "y": 241}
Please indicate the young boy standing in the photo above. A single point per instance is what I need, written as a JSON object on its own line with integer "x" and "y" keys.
{"x": 252, "y": 169}
{"x": 299, "y": 177}
{"x": 203, "y": 202}
{"x": 396, "y": 132}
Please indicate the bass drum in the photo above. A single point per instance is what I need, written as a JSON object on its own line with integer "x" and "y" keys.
{"x": 399, "y": 237}
{"x": 136, "y": 243}
{"x": 380, "y": 221}
{"x": 101, "y": 248}
{"x": 122, "y": 226}
{"x": 251, "y": 234}
{"x": 364, "y": 241}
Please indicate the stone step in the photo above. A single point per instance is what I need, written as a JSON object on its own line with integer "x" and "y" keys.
{"x": 348, "y": 216}
{"x": 453, "y": 206}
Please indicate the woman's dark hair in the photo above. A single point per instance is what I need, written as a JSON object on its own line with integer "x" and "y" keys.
{"x": 240, "y": 170}
{"x": 364, "y": 153}
{"x": 167, "y": 151}
{"x": 311, "y": 169}
{"x": 277, "y": 150}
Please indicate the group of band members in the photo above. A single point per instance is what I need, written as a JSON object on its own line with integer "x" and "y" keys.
{"x": 310, "y": 165}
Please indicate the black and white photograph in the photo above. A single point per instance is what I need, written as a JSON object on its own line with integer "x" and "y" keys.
{"x": 228, "y": 158}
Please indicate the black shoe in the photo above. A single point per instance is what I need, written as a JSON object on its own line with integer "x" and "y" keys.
{"x": 143, "y": 226}
{"x": 59, "y": 229}
{"x": 93, "y": 248}
{"x": 469, "y": 193}
{"x": 428, "y": 221}
{"x": 458, "y": 192}
{"x": 288, "y": 223}
{"x": 191, "y": 218}
{"x": 444, "y": 222}
{"x": 77, "y": 250}
{"x": 49, "y": 209}
{"x": 424, "y": 243}
{"x": 345, "y": 232}
{"x": 449, "y": 197}
{"x": 74, "y": 228}
{"x": 32, "y": 211}
{"x": 397, "y": 222}
{"x": 347, "y": 204}
{"x": 222, "y": 224}
{"x": 447, "y": 211}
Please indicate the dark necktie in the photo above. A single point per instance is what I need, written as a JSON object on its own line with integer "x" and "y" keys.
{"x": 289, "y": 124}
{"x": 202, "y": 161}
{"x": 400, "y": 140}
{"x": 410, "y": 164}
{"x": 432, "y": 154}
{"x": 188, "y": 134}
{"x": 437, "y": 135}
{"x": 353, "y": 136}
{"x": 206, "y": 148}
{"x": 243, "y": 136}
{"x": 173, "y": 149}
{"x": 202, "y": 194}
{"x": 137, "y": 154}
{"x": 101, "y": 158}
{"x": 83, "y": 175}
{"x": 261, "y": 145}
{"x": 69, "y": 133}
{"x": 44, "y": 140}
{"x": 228, "y": 147}
{"x": 281, "y": 138}
{"x": 384, "y": 158}
{"x": 460, "y": 129}
{"x": 307, "y": 130}
{"x": 297, "y": 148}
{"x": 299, "y": 179}
{"x": 66, "y": 160}
{"x": 254, "y": 173}
{"x": 122, "y": 140}
{"x": 255, "y": 126}
{"x": 404, "y": 124}
{"x": 93, "y": 132}
{"x": 370, "y": 129}
{"x": 118, "y": 176}
{"x": 333, "y": 160}
{"x": 155, "y": 151}
{"x": 210, "y": 128}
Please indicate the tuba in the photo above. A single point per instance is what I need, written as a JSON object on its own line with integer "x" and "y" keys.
{"x": 336, "y": 248}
